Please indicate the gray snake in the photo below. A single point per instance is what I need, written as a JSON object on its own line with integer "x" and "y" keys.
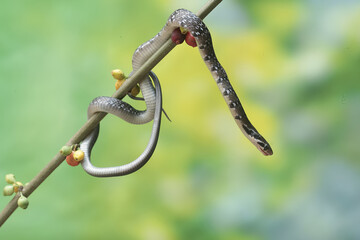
{"x": 193, "y": 24}
{"x": 128, "y": 113}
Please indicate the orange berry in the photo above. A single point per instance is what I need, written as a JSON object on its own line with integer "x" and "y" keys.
{"x": 71, "y": 161}
{"x": 118, "y": 84}
{"x": 17, "y": 185}
{"x": 135, "y": 90}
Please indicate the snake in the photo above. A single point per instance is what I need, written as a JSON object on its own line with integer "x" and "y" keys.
{"x": 128, "y": 113}
{"x": 190, "y": 22}
{"x": 193, "y": 24}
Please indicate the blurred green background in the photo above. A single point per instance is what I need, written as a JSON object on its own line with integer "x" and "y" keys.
{"x": 295, "y": 66}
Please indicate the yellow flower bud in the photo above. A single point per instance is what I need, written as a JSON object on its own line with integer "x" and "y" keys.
{"x": 78, "y": 155}
{"x": 8, "y": 190}
{"x": 118, "y": 74}
{"x": 10, "y": 178}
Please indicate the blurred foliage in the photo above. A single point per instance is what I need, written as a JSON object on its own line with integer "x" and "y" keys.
{"x": 295, "y": 66}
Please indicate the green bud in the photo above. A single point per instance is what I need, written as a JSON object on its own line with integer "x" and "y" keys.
{"x": 66, "y": 150}
{"x": 8, "y": 190}
{"x": 23, "y": 202}
{"x": 10, "y": 178}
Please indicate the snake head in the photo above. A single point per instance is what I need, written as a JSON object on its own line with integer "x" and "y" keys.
{"x": 264, "y": 148}
{"x": 255, "y": 138}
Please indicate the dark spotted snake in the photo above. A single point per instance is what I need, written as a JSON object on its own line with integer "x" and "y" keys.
{"x": 193, "y": 24}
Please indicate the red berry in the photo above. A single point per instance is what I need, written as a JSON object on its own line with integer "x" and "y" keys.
{"x": 177, "y": 37}
{"x": 190, "y": 40}
{"x": 71, "y": 161}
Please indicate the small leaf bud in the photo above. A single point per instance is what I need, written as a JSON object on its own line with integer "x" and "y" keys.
{"x": 8, "y": 190}
{"x": 66, "y": 150}
{"x": 23, "y": 202}
{"x": 10, "y": 178}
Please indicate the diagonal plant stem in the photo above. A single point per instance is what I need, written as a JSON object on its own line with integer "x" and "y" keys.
{"x": 96, "y": 118}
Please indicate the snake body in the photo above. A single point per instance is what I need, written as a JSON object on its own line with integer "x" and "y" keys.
{"x": 193, "y": 24}
{"x": 127, "y": 112}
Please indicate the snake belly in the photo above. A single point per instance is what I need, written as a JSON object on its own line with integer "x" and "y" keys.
{"x": 193, "y": 24}
{"x": 125, "y": 111}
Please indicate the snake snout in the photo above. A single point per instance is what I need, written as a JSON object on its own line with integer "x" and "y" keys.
{"x": 267, "y": 151}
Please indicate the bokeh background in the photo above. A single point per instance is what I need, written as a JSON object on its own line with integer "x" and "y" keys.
{"x": 295, "y": 66}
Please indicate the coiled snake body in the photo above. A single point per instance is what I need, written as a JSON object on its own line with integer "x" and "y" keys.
{"x": 128, "y": 113}
{"x": 193, "y": 24}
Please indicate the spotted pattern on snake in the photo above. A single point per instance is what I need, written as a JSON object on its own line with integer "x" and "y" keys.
{"x": 189, "y": 21}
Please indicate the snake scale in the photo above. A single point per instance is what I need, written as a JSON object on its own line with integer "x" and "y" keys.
{"x": 193, "y": 24}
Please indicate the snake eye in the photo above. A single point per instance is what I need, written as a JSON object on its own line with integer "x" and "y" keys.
{"x": 177, "y": 37}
